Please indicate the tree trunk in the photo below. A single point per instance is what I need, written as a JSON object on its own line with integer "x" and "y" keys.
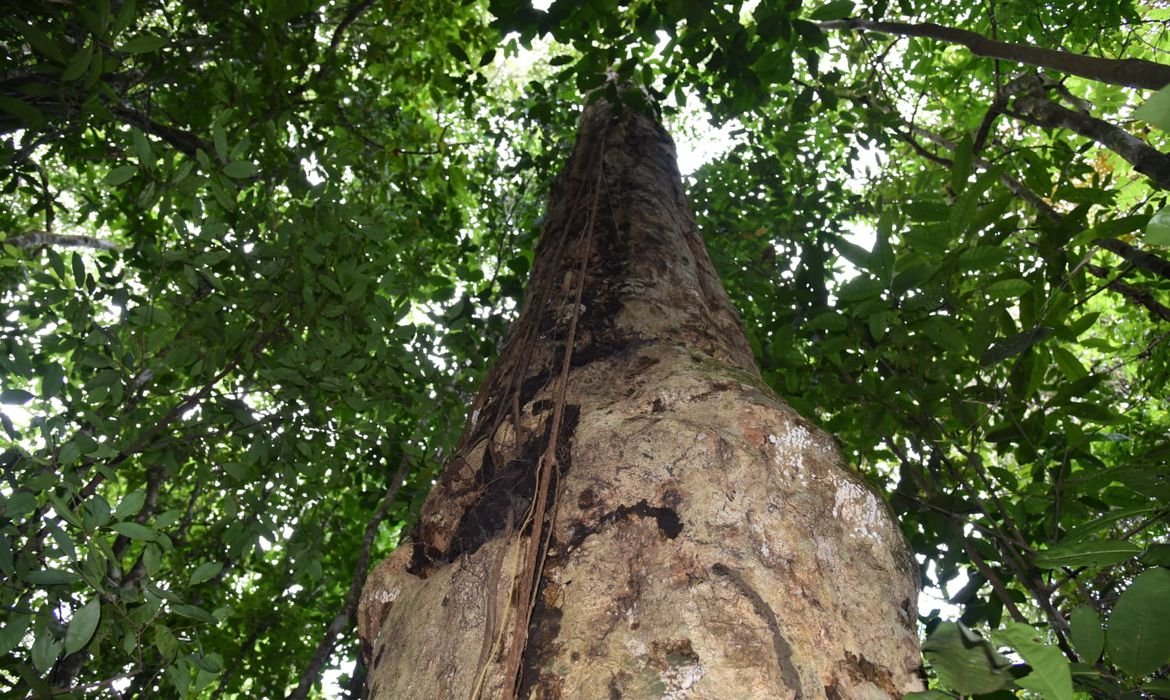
{"x": 640, "y": 516}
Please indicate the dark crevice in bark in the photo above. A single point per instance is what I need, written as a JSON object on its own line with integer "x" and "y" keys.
{"x": 666, "y": 518}
{"x": 783, "y": 650}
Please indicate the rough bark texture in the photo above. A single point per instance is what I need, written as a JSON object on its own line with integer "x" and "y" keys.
{"x": 699, "y": 539}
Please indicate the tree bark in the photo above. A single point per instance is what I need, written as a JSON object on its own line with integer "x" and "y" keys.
{"x": 1128, "y": 72}
{"x": 632, "y": 513}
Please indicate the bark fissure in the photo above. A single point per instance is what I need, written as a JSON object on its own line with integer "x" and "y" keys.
{"x": 780, "y": 646}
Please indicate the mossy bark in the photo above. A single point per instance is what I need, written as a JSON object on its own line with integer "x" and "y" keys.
{"x": 699, "y": 539}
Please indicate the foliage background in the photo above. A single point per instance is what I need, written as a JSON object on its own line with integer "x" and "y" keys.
{"x": 256, "y": 256}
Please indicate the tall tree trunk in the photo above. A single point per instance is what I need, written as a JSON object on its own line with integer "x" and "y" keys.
{"x": 632, "y": 512}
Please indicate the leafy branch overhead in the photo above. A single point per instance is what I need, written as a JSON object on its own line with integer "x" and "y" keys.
{"x": 256, "y": 257}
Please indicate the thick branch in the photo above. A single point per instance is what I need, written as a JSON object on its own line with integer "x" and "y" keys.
{"x": 184, "y": 141}
{"x": 343, "y": 617}
{"x": 1130, "y": 72}
{"x": 1138, "y": 296}
{"x": 1043, "y": 112}
{"x": 36, "y": 239}
{"x": 1138, "y": 258}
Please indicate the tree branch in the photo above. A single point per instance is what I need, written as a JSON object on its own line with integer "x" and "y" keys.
{"x": 1138, "y": 258}
{"x": 36, "y": 239}
{"x": 1129, "y": 72}
{"x": 343, "y": 617}
{"x": 1040, "y": 111}
{"x": 184, "y": 141}
{"x": 1138, "y": 296}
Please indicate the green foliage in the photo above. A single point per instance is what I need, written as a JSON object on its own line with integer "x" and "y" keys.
{"x": 313, "y": 222}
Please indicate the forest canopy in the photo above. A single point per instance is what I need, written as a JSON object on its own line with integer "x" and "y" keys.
{"x": 256, "y": 258}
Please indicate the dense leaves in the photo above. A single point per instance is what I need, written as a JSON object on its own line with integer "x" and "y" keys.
{"x": 256, "y": 257}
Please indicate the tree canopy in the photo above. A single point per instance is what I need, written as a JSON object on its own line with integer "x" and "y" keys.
{"x": 256, "y": 257}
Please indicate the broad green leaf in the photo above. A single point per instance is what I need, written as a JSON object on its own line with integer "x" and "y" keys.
{"x": 1087, "y": 635}
{"x": 17, "y": 397}
{"x": 944, "y": 333}
{"x": 1008, "y": 289}
{"x": 78, "y": 266}
{"x": 837, "y": 9}
{"x": 1156, "y": 109}
{"x": 1157, "y": 555}
{"x": 1138, "y": 639}
{"x": 130, "y": 504}
{"x": 961, "y": 166}
{"x": 964, "y": 661}
{"x": 1094, "y": 553}
{"x": 134, "y": 531}
{"x": 194, "y": 612}
{"x": 165, "y": 642}
{"x": 1050, "y": 674}
{"x": 121, "y": 174}
{"x": 142, "y": 148}
{"x": 82, "y": 626}
{"x": 205, "y": 572}
{"x": 79, "y": 63}
{"x": 1013, "y": 345}
{"x": 45, "y": 649}
{"x": 144, "y": 43}
{"x": 1068, "y": 363}
{"x": 42, "y": 43}
{"x": 15, "y": 625}
{"x": 240, "y": 169}
{"x": 1104, "y": 521}
{"x": 1158, "y": 230}
{"x": 22, "y": 110}
{"x": 860, "y": 288}
{"x": 51, "y": 577}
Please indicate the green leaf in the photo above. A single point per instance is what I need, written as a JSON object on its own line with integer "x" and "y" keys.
{"x": 78, "y": 64}
{"x": 51, "y": 577}
{"x": 1013, "y": 345}
{"x": 1158, "y": 230}
{"x": 1157, "y": 555}
{"x": 944, "y": 334}
{"x": 1138, "y": 638}
{"x": 964, "y": 661}
{"x": 837, "y": 9}
{"x": 1156, "y": 109}
{"x": 1008, "y": 289}
{"x": 1087, "y": 635}
{"x": 135, "y": 531}
{"x": 142, "y": 148}
{"x": 144, "y": 43}
{"x": 41, "y": 43}
{"x": 1050, "y": 674}
{"x": 130, "y": 504}
{"x": 78, "y": 265}
{"x": 240, "y": 169}
{"x": 194, "y": 612}
{"x": 18, "y": 397}
{"x": 1094, "y": 553}
{"x": 22, "y": 110}
{"x": 13, "y": 631}
{"x": 961, "y": 167}
{"x": 165, "y": 642}
{"x": 121, "y": 174}
{"x": 205, "y": 572}
{"x": 82, "y": 626}
{"x": 45, "y": 649}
